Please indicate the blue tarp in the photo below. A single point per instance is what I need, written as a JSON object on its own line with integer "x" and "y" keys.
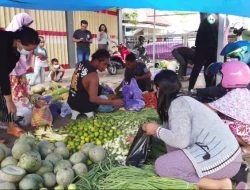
{"x": 234, "y": 7}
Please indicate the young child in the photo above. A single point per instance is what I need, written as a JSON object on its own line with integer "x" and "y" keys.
{"x": 40, "y": 63}
{"x": 56, "y": 70}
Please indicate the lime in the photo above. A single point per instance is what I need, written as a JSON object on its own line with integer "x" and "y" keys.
{"x": 86, "y": 139}
{"x": 98, "y": 142}
{"x": 96, "y": 134}
{"x": 89, "y": 162}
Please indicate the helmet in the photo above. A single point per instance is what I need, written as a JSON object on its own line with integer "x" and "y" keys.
{"x": 235, "y": 74}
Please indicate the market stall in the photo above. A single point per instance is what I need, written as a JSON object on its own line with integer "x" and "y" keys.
{"x": 91, "y": 153}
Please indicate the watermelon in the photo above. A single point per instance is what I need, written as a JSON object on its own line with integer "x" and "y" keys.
{"x": 78, "y": 157}
{"x": 97, "y": 154}
{"x": 80, "y": 169}
{"x": 65, "y": 177}
{"x": 11, "y": 173}
{"x": 63, "y": 151}
{"x": 30, "y": 161}
{"x": 7, "y": 186}
{"x": 46, "y": 167}
{"x": 8, "y": 161}
{"x": 53, "y": 158}
{"x": 49, "y": 180}
{"x": 62, "y": 164}
{"x": 20, "y": 148}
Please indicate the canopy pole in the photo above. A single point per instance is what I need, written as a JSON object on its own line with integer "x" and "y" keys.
{"x": 120, "y": 32}
{"x": 222, "y": 39}
{"x": 154, "y": 40}
{"x": 70, "y": 31}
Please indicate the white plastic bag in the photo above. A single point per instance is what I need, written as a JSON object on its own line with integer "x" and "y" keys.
{"x": 24, "y": 109}
{"x": 65, "y": 110}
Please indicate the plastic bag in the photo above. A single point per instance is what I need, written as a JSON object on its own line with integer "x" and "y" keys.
{"x": 41, "y": 115}
{"x": 139, "y": 150}
{"x": 132, "y": 96}
{"x": 65, "y": 110}
{"x": 24, "y": 112}
{"x": 106, "y": 90}
{"x": 55, "y": 108}
{"x": 105, "y": 108}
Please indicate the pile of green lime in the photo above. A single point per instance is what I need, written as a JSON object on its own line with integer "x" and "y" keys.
{"x": 96, "y": 131}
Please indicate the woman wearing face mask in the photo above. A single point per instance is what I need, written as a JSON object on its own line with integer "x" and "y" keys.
{"x": 18, "y": 75}
{"x": 201, "y": 148}
{"x": 13, "y": 44}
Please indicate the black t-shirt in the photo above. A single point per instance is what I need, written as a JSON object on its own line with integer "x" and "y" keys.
{"x": 83, "y": 34}
{"x": 207, "y": 37}
{"x": 9, "y": 56}
{"x": 186, "y": 52}
{"x": 78, "y": 96}
{"x": 140, "y": 70}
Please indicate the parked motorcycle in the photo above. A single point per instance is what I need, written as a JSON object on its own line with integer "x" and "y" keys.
{"x": 117, "y": 60}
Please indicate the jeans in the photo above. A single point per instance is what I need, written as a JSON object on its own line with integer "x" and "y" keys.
{"x": 82, "y": 55}
{"x": 38, "y": 76}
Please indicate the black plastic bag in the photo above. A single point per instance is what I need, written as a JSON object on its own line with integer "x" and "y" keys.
{"x": 139, "y": 150}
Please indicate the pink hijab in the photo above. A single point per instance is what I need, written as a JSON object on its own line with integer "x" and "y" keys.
{"x": 24, "y": 63}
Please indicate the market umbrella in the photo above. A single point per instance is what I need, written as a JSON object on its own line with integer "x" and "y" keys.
{"x": 234, "y": 7}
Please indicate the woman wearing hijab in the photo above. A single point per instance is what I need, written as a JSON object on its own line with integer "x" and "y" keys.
{"x": 13, "y": 44}
{"x": 18, "y": 78}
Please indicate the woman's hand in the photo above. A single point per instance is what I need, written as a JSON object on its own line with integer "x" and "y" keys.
{"x": 150, "y": 128}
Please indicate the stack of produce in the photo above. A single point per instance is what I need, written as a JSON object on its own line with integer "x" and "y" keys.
{"x": 171, "y": 65}
{"x": 108, "y": 175}
{"x": 55, "y": 90}
{"x": 111, "y": 130}
{"x": 47, "y": 133}
{"x": 35, "y": 165}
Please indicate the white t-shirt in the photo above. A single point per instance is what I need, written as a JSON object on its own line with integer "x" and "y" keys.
{"x": 38, "y": 61}
{"x": 103, "y": 38}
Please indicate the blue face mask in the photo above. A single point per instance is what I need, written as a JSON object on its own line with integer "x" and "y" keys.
{"x": 23, "y": 52}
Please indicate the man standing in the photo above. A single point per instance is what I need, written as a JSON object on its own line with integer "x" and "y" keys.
{"x": 206, "y": 49}
{"x": 83, "y": 38}
{"x": 184, "y": 56}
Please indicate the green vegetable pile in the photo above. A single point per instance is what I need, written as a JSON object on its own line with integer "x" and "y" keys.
{"x": 107, "y": 175}
{"x": 108, "y": 129}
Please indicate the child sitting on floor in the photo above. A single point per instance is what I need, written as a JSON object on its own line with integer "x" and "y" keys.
{"x": 56, "y": 70}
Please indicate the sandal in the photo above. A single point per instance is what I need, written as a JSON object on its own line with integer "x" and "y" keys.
{"x": 15, "y": 131}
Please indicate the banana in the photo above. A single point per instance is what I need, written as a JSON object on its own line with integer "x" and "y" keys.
{"x": 47, "y": 133}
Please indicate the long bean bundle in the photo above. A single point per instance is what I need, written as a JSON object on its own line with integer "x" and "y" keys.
{"x": 127, "y": 177}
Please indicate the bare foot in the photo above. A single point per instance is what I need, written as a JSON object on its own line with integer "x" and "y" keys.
{"x": 225, "y": 183}
{"x": 216, "y": 184}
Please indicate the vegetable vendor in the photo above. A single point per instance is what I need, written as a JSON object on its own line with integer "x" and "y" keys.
{"x": 201, "y": 148}
{"x": 140, "y": 71}
{"x": 13, "y": 44}
{"x": 84, "y": 94}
